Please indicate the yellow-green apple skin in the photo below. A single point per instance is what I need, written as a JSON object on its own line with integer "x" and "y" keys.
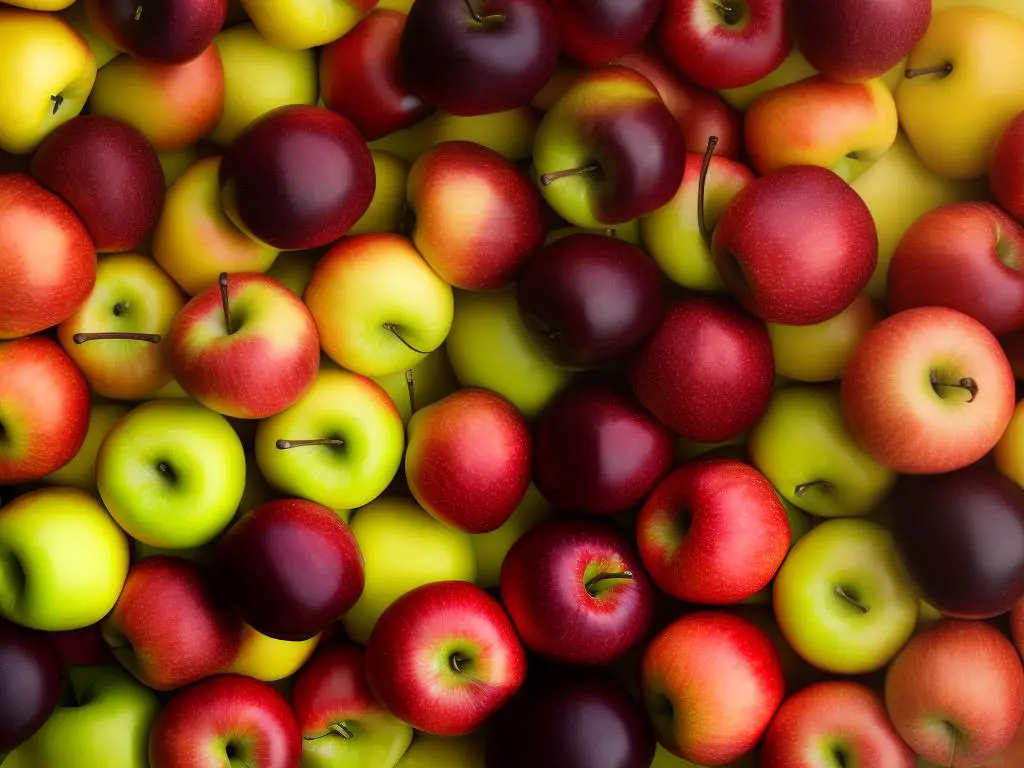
{"x": 403, "y": 6}
{"x": 107, "y": 726}
{"x": 269, "y": 659}
{"x": 899, "y": 189}
{"x": 294, "y": 269}
{"x": 803, "y": 446}
{"x": 818, "y": 353}
{"x": 176, "y": 162}
{"x": 171, "y": 391}
{"x": 172, "y": 105}
{"x": 1014, "y": 9}
{"x": 300, "y": 24}
{"x": 75, "y": 15}
{"x": 378, "y": 306}
{"x": 403, "y": 548}
{"x": 561, "y": 81}
{"x": 672, "y": 233}
{"x": 387, "y": 208}
{"x": 794, "y": 68}
{"x": 436, "y": 752}
{"x": 48, "y": 72}
{"x": 690, "y": 449}
{"x": 258, "y": 77}
{"x": 492, "y": 547}
{"x": 172, "y": 473}
{"x": 490, "y": 347}
{"x": 844, "y": 127}
{"x": 40, "y": 5}
{"x": 628, "y": 232}
{"x": 80, "y": 472}
{"x": 841, "y": 599}
{"x": 63, "y": 560}
{"x": 344, "y": 406}
{"x": 432, "y": 378}
{"x": 954, "y": 119}
{"x": 1009, "y": 451}
{"x": 194, "y": 240}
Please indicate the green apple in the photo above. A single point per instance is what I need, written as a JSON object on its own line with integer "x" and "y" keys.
{"x": 804, "y": 447}
{"x": 423, "y": 384}
{"x": 63, "y": 560}
{"x": 106, "y": 726}
{"x": 300, "y": 24}
{"x": 403, "y": 548}
{"x": 259, "y": 77}
{"x": 102, "y": 51}
{"x": 492, "y": 547}
{"x": 436, "y": 752}
{"x": 490, "y": 347}
{"x": 294, "y": 269}
{"x": 841, "y": 599}
{"x": 387, "y": 209}
{"x": 340, "y": 445}
{"x": 172, "y": 473}
{"x": 80, "y": 472}
{"x": 793, "y": 68}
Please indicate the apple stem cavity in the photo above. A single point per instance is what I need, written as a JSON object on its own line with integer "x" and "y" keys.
{"x": 284, "y": 445}
{"x": 82, "y": 338}
{"x": 943, "y": 69}
{"x": 410, "y": 384}
{"x": 702, "y": 223}
{"x": 607, "y": 576}
{"x": 457, "y": 662}
{"x": 394, "y": 329}
{"x": 57, "y": 101}
{"x": 550, "y": 178}
{"x": 490, "y": 18}
{"x": 732, "y": 14}
{"x": 803, "y": 488}
{"x": 851, "y": 599}
{"x": 967, "y": 384}
{"x": 223, "y": 280}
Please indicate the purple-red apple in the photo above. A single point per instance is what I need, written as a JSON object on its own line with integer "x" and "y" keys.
{"x": 157, "y": 31}
{"x": 30, "y": 681}
{"x": 598, "y": 32}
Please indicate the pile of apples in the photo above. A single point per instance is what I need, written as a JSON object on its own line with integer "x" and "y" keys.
{"x": 511, "y": 383}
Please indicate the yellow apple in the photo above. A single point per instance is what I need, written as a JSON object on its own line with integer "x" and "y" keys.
{"x": 402, "y": 6}
{"x": 268, "y": 659}
{"x": 387, "y": 208}
{"x": 302, "y": 24}
{"x": 792, "y": 69}
{"x": 432, "y": 379}
{"x": 436, "y": 752}
{"x": 39, "y": 5}
{"x": 492, "y": 547}
{"x": 295, "y": 268}
{"x": 1012, "y": 8}
{"x": 176, "y": 162}
{"x": 74, "y": 14}
{"x": 171, "y": 391}
{"x": 80, "y": 472}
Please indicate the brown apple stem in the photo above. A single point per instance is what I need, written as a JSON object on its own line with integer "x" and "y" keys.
{"x": 730, "y": 14}
{"x": 224, "y": 302}
{"x": 138, "y": 12}
{"x": 851, "y": 599}
{"x": 410, "y": 384}
{"x": 57, "y": 101}
{"x": 284, "y": 445}
{"x": 342, "y": 730}
{"x": 967, "y": 384}
{"x": 607, "y": 576}
{"x": 456, "y": 662}
{"x": 81, "y": 338}
{"x": 550, "y": 178}
{"x": 394, "y": 329}
{"x": 702, "y": 223}
{"x": 803, "y": 488}
{"x": 491, "y": 18}
{"x": 943, "y": 69}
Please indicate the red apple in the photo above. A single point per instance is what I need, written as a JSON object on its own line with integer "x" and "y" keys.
{"x": 157, "y": 31}
{"x": 44, "y": 409}
{"x": 707, "y": 372}
{"x": 796, "y": 246}
{"x": 82, "y": 647}
{"x": 594, "y": 33}
{"x": 1006, "y": 169}
{"x": 714, "y": 531}
{"x": 226, "y": 720}
{"x": 39, "y": 293}
{"x": 444, "y": 657}
{"x": 298, "y": 177}
{"x": 928, "y": 390}
{"x": 576, "y": 591}
{"x": 468, "y": 459}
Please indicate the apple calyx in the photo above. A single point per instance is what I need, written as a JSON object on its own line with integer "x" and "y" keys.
{"x": 967, "y": 384}
{"x": 596, "y": 581}
{"x": 82, "y": 338}
{"x": 547, "y": 179}
{"x": 702, "y": 224}
{"x": 457, "y": 662}
{"x": 731, "y": 12}
{"x": 803, "y": 488}
{"x": 410, "y": 384}
{"x": 394, "y": 329}
{"x": 225, "y": 304}
{"x": 284, "y": 445}
{"x": 851, "y": 599}
{"x": 942, "y": 69}
{"x": 339, "y": 729}
{"x": 488, "y": 19}
{"x": 57, "y": 101}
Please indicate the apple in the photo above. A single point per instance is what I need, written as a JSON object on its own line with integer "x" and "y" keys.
{"x": 955, "y": 693}
{"x": 947, "y": 424}
{"x": 841, "y": 598}
{"x": 295, "y": 270}
{"x": 40, "y": 293}
{"x": 368, "y": 282}
{"x": 444, "y": 658}
{"x": 1006, "y": 456}
{"x": 796, "y": 274}
{"x": 707, "y": 371}
{"x": 343, "y": 725}
{"x": 269, "y": 659}
{"x": 44, "y": 409}
{"x": 1005, "y": 172}
{"x": 30, "y": 682}
{"x": 609, "y": 150}
{"x": 302, "y": 24}
{"x": 260, "y": 172}
{"x": 711, "y": 684}
{"x": 491, "y": 548}
{"x": 428, "y": 751}
{"x": 422, "y": 384}
{"x": 713, "y": 532}
{"x": 64, "y": 560}
{"x": 225, "y": 719}
{"x": 156, "y": 32}
{"x": 598, "y": 33}
{"x": 725, "y": 44}
{"x": 388, "y": 210}
{"x": 171, "y": 473}
{"x": 80, "y": 472}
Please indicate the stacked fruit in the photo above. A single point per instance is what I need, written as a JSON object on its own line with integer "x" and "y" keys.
{"x": 511, "y": 383}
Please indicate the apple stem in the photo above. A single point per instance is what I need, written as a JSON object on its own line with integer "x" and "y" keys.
{"x": 57, "y": 101}
{"x": 455, "y": 661}
{"x": 284, "y": 445}
{"x": 492, "y": 18}
{"x": 138, "y": 12}
{"x": 152, "y": 338}
{"x": 225, "y": 304}
{"x": 968, "y": 384}
{"x": 702, "y": 223}
{"x": 607, "y": 576}
{"x": 803, "y": 488}
{"x": 394, "y": 329}
{"x": 943, "y": 69}
{"x": 550, "y": 178}
{"x": 410, "y": 384}
{"x": 729, "y": 13}
{"x": 953, "y": 734}
{"x": 342, "y": 730}
{"x": 851, "y": 599}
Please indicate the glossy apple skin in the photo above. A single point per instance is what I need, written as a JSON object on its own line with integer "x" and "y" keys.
{"x": 544, "y": 581}
{"x": 291, "y": 567}
{"x": 596, "y": 33}
{"x": 1006, "y": 169}
{"x": 30, "y": 681}
{"x": 796, "y": 246}
{"x": 360, "y": 77}
{"x": 38, "y": 295}
{"x": 110, "y": 176}
{"x": 707, "y": 372}
{"x": 298, "y": 177}
{"x": 332, "y": 683}
{"x": 597, "y": 452}
{"x": 588, "y": 298}
{"x": 156, "y": 31}
{"x": 571, "y": 719}
{"x": 469, "y": 68}
{"x": 961, "y": 537}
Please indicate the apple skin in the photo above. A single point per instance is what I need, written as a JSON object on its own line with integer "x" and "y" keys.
{"x": 40, "y": 294}
{"x": 966, "y": 256}
{"x": 30, "y": 681}
{"x": 156, "y": 32}
{"x": 225, "y": 719}
{"x": 44, "y": 409}
{"x": 304, "y": 25}
{"x": 796, "y": 246}
{"x": 707, "y": 372}
{"x": 291, "y": 567}
{"x": 260, "y": 169}
{"x": 956, "y": 689}
{"x": 596, "y": 451}
{"x": 593, "y": 34}
{"x": 1006, "y": 169}
{"x": 479, "y": 58}
{"x": 713, "y": 532}
{"x": 548, "y": 588}
{"x": 915, "y": 428}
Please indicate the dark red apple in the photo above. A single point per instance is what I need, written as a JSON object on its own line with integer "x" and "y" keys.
{"x": 158, "y": 31}
{"x": 297, "y": 178}
{"x": 30, "y": 680}
{"x": 81, "y": 647}
{"x": 595, "y": 32}
{"x": 1006, "y": 169}
{"x": 707, "y": 372}
{"x": 291, "y": 567}
{"x": 475, "y": 57}
{"x": 596, "y": 451}
{"x": 109, "y": 174}
{"x": 588, "y": 298}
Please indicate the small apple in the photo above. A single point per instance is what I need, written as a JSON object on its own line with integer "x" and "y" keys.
{"x": 269, "y": 659}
